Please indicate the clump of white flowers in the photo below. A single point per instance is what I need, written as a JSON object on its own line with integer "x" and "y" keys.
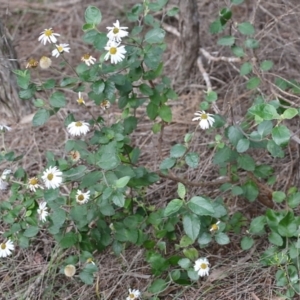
{"x": 115, "y": 51}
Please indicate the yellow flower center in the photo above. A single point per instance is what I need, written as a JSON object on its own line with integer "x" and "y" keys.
{"x": 78, "y": 124}
{"x": 113, "y": 50}
{"x": 203, "y": 266}
{"x": 80, "y": 100}
{"x": 32, "y": 63}
{"x": 48, "y": 32}
{"x": 131, "y": 296}
{"x": 3, "y": 246}
{"x": 214, "y": 227}
{"x": 86, "y": 56}
{"x": 60, "y": 48}
{"x": 50, "y": 176}
{"x": 33, "y": 181}
{"x": 116, "y": 30}
{"x": 80, "y": 197}
{"x": 204, "y": 116}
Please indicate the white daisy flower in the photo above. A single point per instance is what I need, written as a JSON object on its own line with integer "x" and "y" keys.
{"x": 70, "y": 270}
{"x": 206, "y": 120}
{"x": 115, "y": 52}
{"x": 33, "y": 184}
{"x": 4, "y": 128}
{"x": 48, "y": 36}
{"x": 117, "y": 32}
{"x": 6, "y": 248}
{"x": 201, "y": 266}
{"x": 214, "y": 227}
{"x": 133, "y": 294}
{"x": 78, "y": 128}
{"x": 3, "y": 179}
{"x": 88, "y": 59}
{"x": 81, "y": 197}
{"x": 61, "y": 48}
{"x": 42, "y": 211}
{"x": 45, "y": 62}
{"x": 52, "y": 178}
{"x": 80, "y": 99}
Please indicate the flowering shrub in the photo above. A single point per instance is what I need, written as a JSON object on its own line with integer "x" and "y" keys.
{"x": 104, "y": 205}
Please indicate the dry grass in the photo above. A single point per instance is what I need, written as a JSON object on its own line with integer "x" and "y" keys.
{"x": 34, "y": 273}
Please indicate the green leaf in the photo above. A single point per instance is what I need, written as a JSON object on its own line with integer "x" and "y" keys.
{"x": 265, "y": 128}
{"x": 146, "y": 89}
{"x": 40, "y": 117}
{"x": 238, "y": 51}
{"x": 204, "y": 239}
{"x": 266, "y": 65}
{"x": 242, "y": 145}
{"x": 49, "y": 84}
{"x": 226, "y": 41}
{"x": 263, "y": 112}
{"x": 287, "y": 227}
{"x": 211, "y": 96}
{"x": 122, "y": 182}
{"x": 173, "y": 207}
{"x": 246, "y": 68}
{"x": 118, "y": 199}
{"x": 274, "y": 149}
{"x": 181, "y": 191}
{"x": 57, "y": 99}
{"x": 191, "y": 226}
{"x": 98, "y": 87}
{"x": 87, "y": 274}
{"x": 23, "y": 78}
{"x": 247, "y": 243}
{"x": 152, "y": 110}
{"x": 200, "y": 206}
{"x": 278, "y": 196}
{"x": 177, "y": 151}
{"x": 275, "y": 239}
{"x": 281, "y": 135}
{"x": 250, "y": 190}
{"x": 234, "y": 135}
{"x": 192, "y": 159}
{"x": 130, "y": 124}
{"x": 69, "y": 240}
{"x": 246, "y": 28}
{"x": 173, "y": 11}
{"x": 221, "y": 238}
{"x": 216, "y": 26}
{"x": 31, "y": 231}
{"x": 253, "y": 83}
{"x": 184, "y": 263}
{"x": 246, "y": 162}
{"x": 289, "y": 113}
{"x": 75, "y": 173}
{"x": 257, "y": 225}
{"x": 155, "y": 35}
{"x": 251, "y": 44}
{"x": 167, "y": 163}
{"x": 165, "y": 113}
{"x": 237, "y": 190}
{"x": 294, "y": 200}
{"x": 92, "y": 15}
{"x": 191, "y": 253}
{"x": 225, "y": 15}
{"x": 157, "y": 286}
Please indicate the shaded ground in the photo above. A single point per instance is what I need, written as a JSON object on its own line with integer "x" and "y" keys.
{"x": 35, "y": 271}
